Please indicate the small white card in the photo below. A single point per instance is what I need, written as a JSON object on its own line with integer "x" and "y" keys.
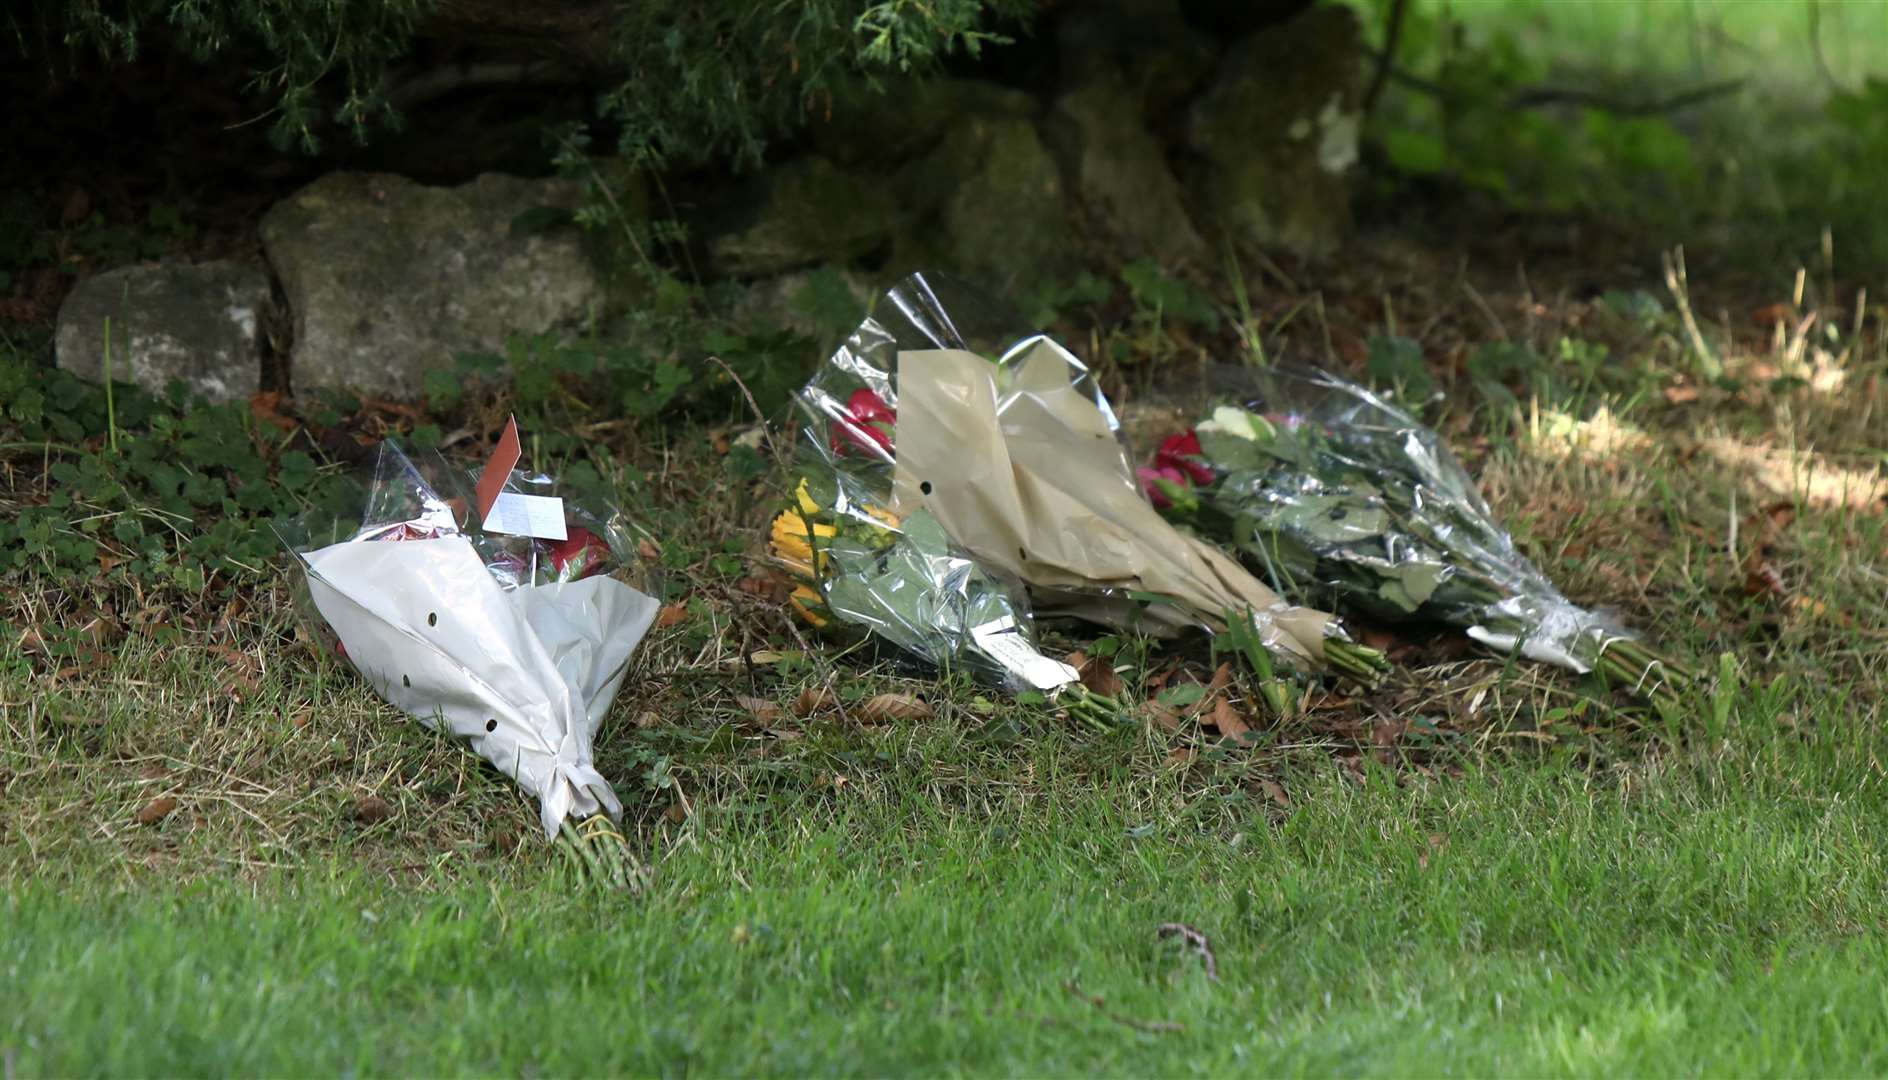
{"x": 1001, "y": 640}
{"x": 540, "y": 516}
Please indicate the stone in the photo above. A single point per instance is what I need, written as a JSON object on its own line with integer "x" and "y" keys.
{"x": 803, "y": 212}
{"x": 1004, "y": 216}
{"x": 822, "y": 305}
{"x": 388, "y": 279}
{"x": 1275, "y": 136}
{"x": 1120, "y": 172}
{"x": 905, "y": 116}
{"x": 198, "y": 324}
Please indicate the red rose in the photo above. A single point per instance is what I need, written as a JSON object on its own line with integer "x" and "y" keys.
{"x": 580, "y": 554}
{"x": 1182, "y": 452}
{"x": 866, "y": 426}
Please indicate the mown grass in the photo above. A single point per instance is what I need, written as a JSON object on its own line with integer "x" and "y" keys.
{"x": 1722, "y": 913}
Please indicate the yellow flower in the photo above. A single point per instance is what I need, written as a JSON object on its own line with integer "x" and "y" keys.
{"x": 792, "y": 536}
{"x": 801, "y": 599}
{"x": 805, "y": 499}
{"x": 885, "y": 517}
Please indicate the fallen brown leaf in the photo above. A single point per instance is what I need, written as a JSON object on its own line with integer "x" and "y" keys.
{"x": 266, "y": 408}
{"x": 648, "y": 549}
{"x": 811, "y": 700}
{"x": 883, "y": 707}
{"x": 1097, "y": 673}
{"x": 1158, "y": 681}
{"x": 241, "y": 673}
{"x": 1373, "y": 636}
{"x": 101, "y": 628}
{"x": 1162, "y": 714}
{"x": 1762, "y": 578}
{"x": 1681, "y": 395}
{"x": 671, "y": 614}
{"x": 372, "y": 809}
{"x": 676, "y": 813}
{"x": 1230, "y": 723}
{"x": 1180, "y": 757}
{"x": 763, "y": 711}
{"x": 156, "y": 810}
{"x": 1222, "y": 677}
{"x": 1275, "y": 792}
{"x": 772, "y": 588}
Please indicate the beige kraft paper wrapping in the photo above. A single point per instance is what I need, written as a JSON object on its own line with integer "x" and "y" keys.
{"x": 1030, "y": 479}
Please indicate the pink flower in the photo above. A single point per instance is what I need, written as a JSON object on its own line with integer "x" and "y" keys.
{"x": 1161, "y": 484}
{"x": 1182, "y": 452}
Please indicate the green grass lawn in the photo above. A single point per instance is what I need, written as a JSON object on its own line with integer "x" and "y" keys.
{"x": 1722, "y": 914}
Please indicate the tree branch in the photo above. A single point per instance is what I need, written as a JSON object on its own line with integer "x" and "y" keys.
{"x": 1684, "y": 99}
{"x": 1544, "y": 96}
{"x": 1392, "y": 33}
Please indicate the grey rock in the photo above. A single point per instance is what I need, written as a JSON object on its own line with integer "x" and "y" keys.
{"x": 388, "y": 279}
{"x": 803, "y": 212}
{"x": 1004, "y": 217}
{"x": 1120, "y": 171}
{"x": 1276, "y": 133}
{"x": 198, "y": 324}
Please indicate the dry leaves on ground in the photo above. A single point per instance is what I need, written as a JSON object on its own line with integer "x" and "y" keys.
{"x": 156, "y": 810}
{"x": 886, "y": 707}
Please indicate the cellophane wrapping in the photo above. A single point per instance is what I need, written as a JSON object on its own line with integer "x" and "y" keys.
{"x": 941, "y": 411}
{"x": 514, "y": 645}
{"x": 1339, "y": 497}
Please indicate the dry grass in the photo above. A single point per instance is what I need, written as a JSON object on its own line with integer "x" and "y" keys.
{"x": 202, "y": 739}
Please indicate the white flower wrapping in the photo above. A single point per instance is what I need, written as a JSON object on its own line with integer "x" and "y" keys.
{"x": 440, "y": 620}
{"x": 524, "y": 675}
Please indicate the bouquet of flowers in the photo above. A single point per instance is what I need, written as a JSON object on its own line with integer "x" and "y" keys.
{"x": 1332, "y": 493}
{"x": 510, "y": 635}
{"x": 1012, "y": 457}
{"x": 901, "y": 580}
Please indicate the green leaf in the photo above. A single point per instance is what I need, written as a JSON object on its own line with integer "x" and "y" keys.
{"x": 1398, "y": 361}
{"x": 1182, "y": 696}
{"x": 828, "y": 301}
{"x": 1420, "y": 580}
{"x": 1171, "y": 297}
{"x": 443, "y": 387}
{"x": 296, "y": 471}
{"x": 1392, "y": 592}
